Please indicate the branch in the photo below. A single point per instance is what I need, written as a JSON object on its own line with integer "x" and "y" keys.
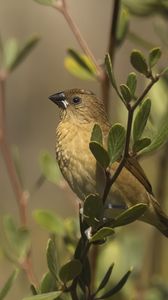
{"x": 21, "y": 196}
{"x": 105, "y": 86}
{"x": 62, "y": 7}
{"x": 131, "y": 108}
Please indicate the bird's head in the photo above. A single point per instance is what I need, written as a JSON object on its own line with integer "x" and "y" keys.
{"x": 79, "y": 105}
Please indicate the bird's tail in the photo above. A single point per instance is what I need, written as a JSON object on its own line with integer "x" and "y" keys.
{"x": 162, "y": 219}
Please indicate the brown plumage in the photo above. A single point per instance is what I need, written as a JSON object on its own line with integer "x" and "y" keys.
{"x": 79, "y": 111}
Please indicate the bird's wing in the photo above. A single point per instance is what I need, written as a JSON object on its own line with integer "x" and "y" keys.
{"x": 134, "y": 167}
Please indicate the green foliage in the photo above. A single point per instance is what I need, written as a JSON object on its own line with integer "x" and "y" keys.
{"x": 160, "y": 137}
{"x": 17, "y": 238}
{"x": 154, "y": 56}
{"x": 122, "y": 26}
{"x": 49, "y": 220}
{"x": 139, "y": 62}
{"x": 102, "y": 234}
{"x": 80, "y": 65}
{"x": 93, "y": 210}
{"x": 7, "y": 286}
{"x": 125, "y": 92}
{"x": 48, "y": 283}
{"x": 52, "y": 258}
{"x": 132, "y": 83}
{"x": 97, "y": 135}
{"x": 70, "y": 270}
{"x": 141, "y": 119}
{"x": 105, "y": 279}
{"x": 110, "y": 72}
{"x": 100, "y": 154}
{"x": 116, "y": 141}
{"x": 14, "y": 54}
{"x": 49, "y": 167}
{"x": 141, "y": 144}
{"x": 116, "y": 288}
{"x": 46, "y": 2}
{"x": 144, "y": 8}
{"x": 46, "y": 296}
{"x": 130, "y": 215}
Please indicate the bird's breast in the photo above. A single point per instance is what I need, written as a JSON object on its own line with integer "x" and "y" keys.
{"x": 75, "y": 160}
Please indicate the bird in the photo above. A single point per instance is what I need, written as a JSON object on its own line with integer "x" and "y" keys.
{"x": 80, "y": 110}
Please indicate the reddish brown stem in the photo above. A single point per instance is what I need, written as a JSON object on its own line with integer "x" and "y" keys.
{"x": 21, "y": 196}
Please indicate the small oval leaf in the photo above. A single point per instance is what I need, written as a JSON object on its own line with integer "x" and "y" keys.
{"x": 80, "y": 65}
{"x": 154, "y": 56}
{"x": 141, "y": 144}
{"x": 126, "y": 93}
{"x": 93, "y": 209}
{"x": 97, "y": 135}
{"x": 100, "y": 154}
{"x": 132, "y": 82}
{"x": 138, "y": 61}
{"x": 122, "y": 26}
{"x": 52, "y": 258}
{"x": 116, "y": 141}
{"x": 102, "y": 234}
{"x": 141, "y": 119}
{"x": 48, "y": 220}
{"x": 8, "y": 284}
{"x": 130, "y": 215}
{"x": 70, "y": 270}
{"x": 49, "y": 167}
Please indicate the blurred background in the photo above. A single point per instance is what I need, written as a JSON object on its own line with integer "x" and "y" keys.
{"x": 32, "y": 119}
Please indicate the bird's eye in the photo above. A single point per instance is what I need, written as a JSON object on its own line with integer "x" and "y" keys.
{"x": 76, "y": 100}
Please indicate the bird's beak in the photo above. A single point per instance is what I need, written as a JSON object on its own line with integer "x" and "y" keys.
{"x": 59, "y": 99}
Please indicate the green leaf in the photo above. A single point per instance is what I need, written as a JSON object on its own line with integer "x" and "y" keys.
{"x": 52, "y": 257}
{"x": 10, "y": 52}
{"x": 14, "y": 55}
{"x": 122, "y": 26}
{"x": 141, "y": 119}
{"x": 93, "y": 209}
{"x": 49, "y": 221}
{"x": 46, "y": 296}
{"x": 116, "y": 141}
{"x": 132, "y": 82}
{"x": 27, "y": 47}
{"x": 100, "y": 154}
{"x": 80, "y": 65}
{"x": 102, "y": 234}
{"x": 154, "y": 56}
{"x": 49, "y": 167}
{"x": 159, "y": 138}
{"x": 48, "y": 283}
{"x": 46, "y": 2}
{"x": 141, "y": 144}
{"x": 126, "y": 93}
{"x": 70, "y": 270}
{"x": 118, "y": 286}
{"x": 105, "y": 279}
{"x": 97, "y": 135}
{"x": 130, "y": 215}
{"x": 18, "y": 238}
{"x": 110, "y": 72}
{"x": 7, "y": 286}
{"x": 138, "y": 61}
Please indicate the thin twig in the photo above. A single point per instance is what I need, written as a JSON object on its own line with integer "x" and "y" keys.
{"x": 105, "y": 85}
{"x": 21, "y": 196}
{"x": 80, "y": 39}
